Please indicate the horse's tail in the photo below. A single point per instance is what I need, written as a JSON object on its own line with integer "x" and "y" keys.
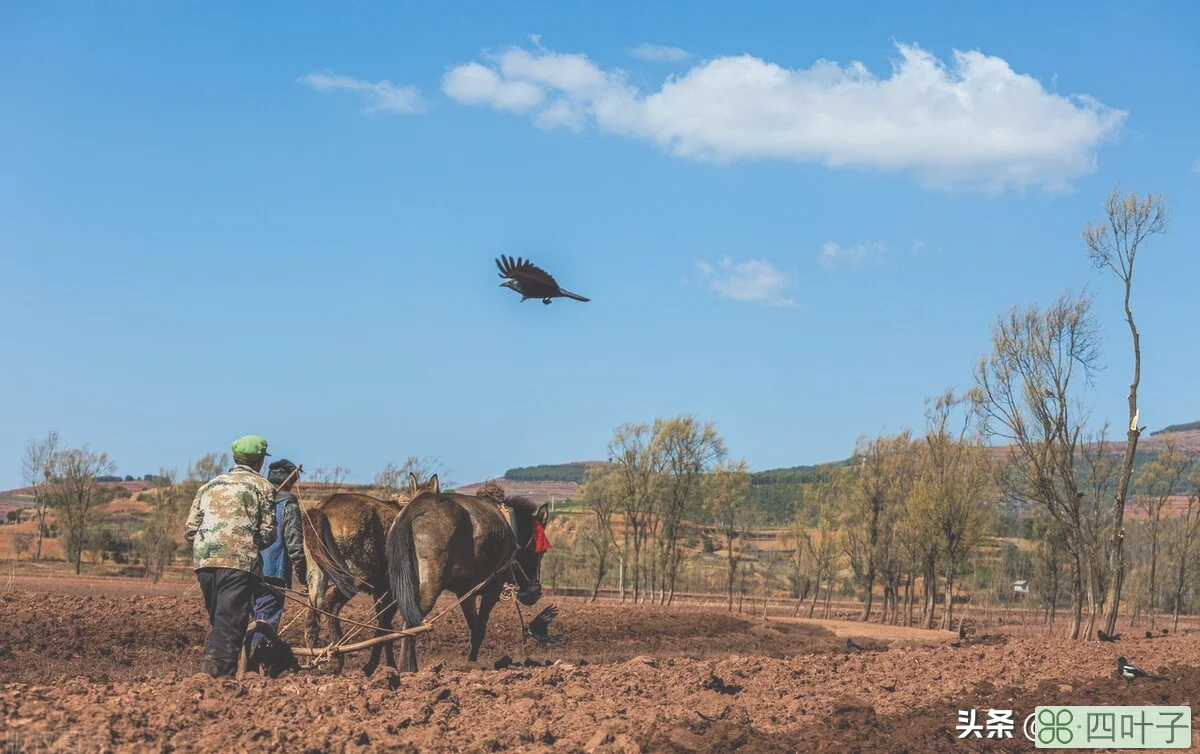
{"x": 402, "y": 569}
{"x": 324, "y": 551}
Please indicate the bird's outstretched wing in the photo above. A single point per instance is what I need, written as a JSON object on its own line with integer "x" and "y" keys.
{"x": 539, "y": 627}
{"x": 541, "y": 623}
{"x": 524, "y": 271}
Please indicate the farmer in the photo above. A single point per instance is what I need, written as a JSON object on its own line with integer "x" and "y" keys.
{"x": 285, "y": 556}
{"x": 231, "y": 520}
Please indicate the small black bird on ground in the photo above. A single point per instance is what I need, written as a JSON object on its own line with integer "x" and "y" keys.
{"x": 962, "y": 632}
{"x": 1164, "y": 632}
{"x": 531, "y": 281}
{"x": 538, "y": 628}
{"x": 1105, "y": 637}
{"x": 1149, "y": 635}
{"x": 1129, "y": 672}
{"x": 851, "y": 645}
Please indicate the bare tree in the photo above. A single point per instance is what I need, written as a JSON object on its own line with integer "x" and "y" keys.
{"x": 35, "y": 471}
{"x": 792, "y": 540}
{"x": 208, "y": 467}
{"x": 1099, "y": 471}
{"x": 1160, "y": 480}
{"x": 22, "y": 544}
{"x": 332, "y": 477}
{"x": 823, "y": 545}
{"x": 880, "y": 480}
{"x": 600, "y": 497}
{"x": 959, "y": 480}
{"x": 919, "y": 538}
{"x": 1049, "y": 551}
{"x": 1113, "y": 244}
{"x": 1183, "y": 547}
{"x": 726, "y": 492}
{"x": 75, "y": 491}
{"x": 392, "y": 479}
{"x": 168, "y": 510}
{"x": 1027, "y": 396}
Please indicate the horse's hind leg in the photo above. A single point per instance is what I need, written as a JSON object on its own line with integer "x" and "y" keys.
{"x": 316, "y": 601}
{"x": 336, "y": 601}
{"x": 383, "y": 621}
{"x": 408, "y": 646}
{"x": 488, "y": 598}
{"x": 471, "y": 615}
{"x": 388, "y": 617}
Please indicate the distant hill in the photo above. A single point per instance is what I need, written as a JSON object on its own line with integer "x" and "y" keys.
{"x": 559, "y": 472}
{"x": 11, "y": 500}
{"x": 1189, "y": 427}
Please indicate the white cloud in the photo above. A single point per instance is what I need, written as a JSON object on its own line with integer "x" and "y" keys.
{"x": 919, "y": 246}
{"x": 834, "y": 254}
{"x": 659, "y": 53}
{"x": 474, "y": 84}
{"x": 381, "y": 96}
{"x": 756, "y": 281}
{"x": 974, "y": 123}
{"x": 1196, "y": 167}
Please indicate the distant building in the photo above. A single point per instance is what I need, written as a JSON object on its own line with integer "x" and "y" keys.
{"x": 1020, "y": 587}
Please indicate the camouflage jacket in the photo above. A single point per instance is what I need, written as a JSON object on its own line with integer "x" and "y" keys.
{"x": 232, "y": 518}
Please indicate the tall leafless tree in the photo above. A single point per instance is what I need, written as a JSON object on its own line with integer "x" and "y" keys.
{"x": 35, "y": 471}
{"x": 1113, "y": 243}
{"x": 75, "y": 491}
{"x": 1028, "y": 396}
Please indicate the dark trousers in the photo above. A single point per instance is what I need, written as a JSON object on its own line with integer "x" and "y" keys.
{"x": 268, "y": 606}
{"x": 227, "y": 595}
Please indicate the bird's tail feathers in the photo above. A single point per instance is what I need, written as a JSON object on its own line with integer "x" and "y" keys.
{"x": 575, "y": 296}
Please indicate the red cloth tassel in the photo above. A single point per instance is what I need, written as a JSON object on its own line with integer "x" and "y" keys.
{"x": 540, "y": 542}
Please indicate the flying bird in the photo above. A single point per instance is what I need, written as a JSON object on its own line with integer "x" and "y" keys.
{"x": 1129, "y": 672}
{"x": 538, "y": 628}
{"x": 531, "y": 281}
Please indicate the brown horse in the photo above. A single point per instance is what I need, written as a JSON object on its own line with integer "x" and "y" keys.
{"x": 449, "y": 541}
{"x": 344, "y": 539}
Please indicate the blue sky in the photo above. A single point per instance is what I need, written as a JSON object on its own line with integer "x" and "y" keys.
{"x": 281, "y": 219}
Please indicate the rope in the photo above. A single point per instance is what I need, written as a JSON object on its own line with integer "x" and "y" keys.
{"x": 506, "y": 595}
{"x": 474, "y": 589}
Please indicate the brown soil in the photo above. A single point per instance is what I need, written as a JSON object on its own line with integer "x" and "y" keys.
{"x": 109, "y": 670}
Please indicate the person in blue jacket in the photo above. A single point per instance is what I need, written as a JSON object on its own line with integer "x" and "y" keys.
{"x": 285, "y": 557}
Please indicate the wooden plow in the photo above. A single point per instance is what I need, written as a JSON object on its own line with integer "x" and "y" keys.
{"x": 268, "y": 632}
